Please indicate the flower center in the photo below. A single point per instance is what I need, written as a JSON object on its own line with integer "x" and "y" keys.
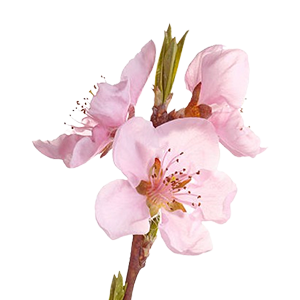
{"x": 168, "y": 190}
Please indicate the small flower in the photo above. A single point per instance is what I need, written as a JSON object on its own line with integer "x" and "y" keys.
{"x": 110, "y": 108}
{"x": 218, "y": 79}
{"x": 171, "y": 171}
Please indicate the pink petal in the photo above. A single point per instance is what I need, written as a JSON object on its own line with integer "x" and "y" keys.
{"x": 121, "y": 211}
{"x": 135, "y": 148}
{"x": 110, "y": 105}
{"x": 196, "y": 138}
{"x": 60, "y": 148}
{"x": 138, "y": 69}
{"x": 74, "y": 149}
{"x": 184, "y": 233}
{"x": 238, "y": 139}
{"x": 225, "y": 78}
{"x": 224, "y": 75}
{"x": 194, "y": 72}
{"x": 217, "y": 191}
{"x": 87, "y": 148}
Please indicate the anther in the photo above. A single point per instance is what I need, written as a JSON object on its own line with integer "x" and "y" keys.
{"x": 169, "y": 149}
{"x": 177, "y": 160}
{"x": 198, "y": 172}
{"x": 181, "y": 153}
{"x": 198, "y": 197}
{"x": 199, "y": 204}
{"x": 193, "y": 204}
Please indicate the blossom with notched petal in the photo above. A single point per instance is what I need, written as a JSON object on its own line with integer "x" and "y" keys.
{"x": 109, "y": 109}
{"x": 219, "y": 78}
{"x": 171, "y": 170}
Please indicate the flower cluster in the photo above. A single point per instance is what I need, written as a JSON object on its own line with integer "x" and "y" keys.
{"x": 171, "y": 168}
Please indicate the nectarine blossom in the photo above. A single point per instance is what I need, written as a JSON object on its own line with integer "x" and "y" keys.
{"x": 171, "y": 171}
{"x": 109, "y": 109}
{"x": 222, "y": 76}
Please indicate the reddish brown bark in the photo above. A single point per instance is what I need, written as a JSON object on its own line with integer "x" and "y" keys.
{"x": 139, "y": 254}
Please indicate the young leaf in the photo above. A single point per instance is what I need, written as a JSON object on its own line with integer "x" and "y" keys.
{"x": 178, "y": 55}
{"x": 119, "y": 291}
{"x": 168, "y": 65}
{"x": 112, "y": 288}
{"x": 159, "y": 69}
{"x": 169, "y": 35}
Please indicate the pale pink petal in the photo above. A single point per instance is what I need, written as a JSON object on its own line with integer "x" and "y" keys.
{"x": 225, "y": 77}
{"x": 86, "y": 124}
{"x": 237, "y": 138}
{"x": 58, "y": 148}
{"x": 138, "y": 69}
{"x": 74, "y": 149}
{"x": 110, "y": 105}
{"x": 121, "y": 211}
{"x": 88, "y": 147}
{"x": 217, "y": 191}
{"x": 184, "y": 233}
{"x": 196, "y": 138}
{"x": 194, "y": 72}
{"x": 135, "y": 148}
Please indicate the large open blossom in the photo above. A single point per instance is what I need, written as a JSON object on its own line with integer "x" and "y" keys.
{"x": 221, "y": 77}
{"x": 171, "y": 170}
{"x": 109, "y": 109}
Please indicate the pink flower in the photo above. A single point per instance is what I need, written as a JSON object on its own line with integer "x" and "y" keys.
{"x": 171, "y": 170}
{"x": 223, "y": 76}
{"x": 109, "y": 109}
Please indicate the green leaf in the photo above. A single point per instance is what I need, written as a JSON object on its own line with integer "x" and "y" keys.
{"x": 178, "y": 55}
{"x": 112, "y": 288}
{"x": 168, "y": 64}
{"x": 117, "y": 290}
{"x": 158, "y": 75}
{"x": 168, "y": 35}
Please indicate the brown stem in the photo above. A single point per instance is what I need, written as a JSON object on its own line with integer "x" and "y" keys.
{"x": 139, "y": 254}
